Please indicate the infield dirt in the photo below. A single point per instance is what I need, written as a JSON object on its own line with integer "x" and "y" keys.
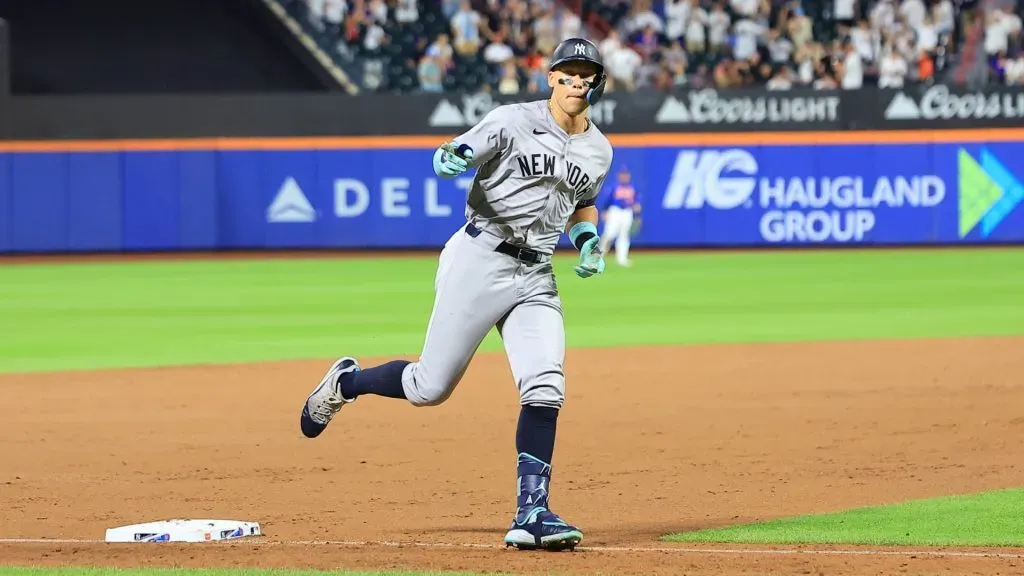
{"x": 651, "y": 441}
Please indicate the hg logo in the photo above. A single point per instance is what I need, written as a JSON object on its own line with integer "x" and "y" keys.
{"x": 698, "y": 179}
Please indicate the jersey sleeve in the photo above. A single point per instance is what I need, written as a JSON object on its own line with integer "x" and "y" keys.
{"x": 489, "y": 137}
{"x": 589, "y": 198}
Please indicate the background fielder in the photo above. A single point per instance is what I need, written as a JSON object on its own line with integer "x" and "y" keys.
{"x": 621, "y": 212}
{"x": 540, "y": 166}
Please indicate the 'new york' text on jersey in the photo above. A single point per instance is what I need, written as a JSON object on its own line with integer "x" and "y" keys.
{"x": 531, "y": 175}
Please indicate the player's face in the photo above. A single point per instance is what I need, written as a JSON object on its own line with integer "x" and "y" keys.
{"x": 570, "y": 83}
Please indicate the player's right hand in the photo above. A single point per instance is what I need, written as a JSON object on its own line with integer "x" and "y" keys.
{"x": 448, "y": 164}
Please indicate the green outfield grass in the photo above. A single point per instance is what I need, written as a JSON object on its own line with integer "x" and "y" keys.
{"x": 988, "y": 519}
{"x": 84, "y": 316}
{"x": 70, "y": 571}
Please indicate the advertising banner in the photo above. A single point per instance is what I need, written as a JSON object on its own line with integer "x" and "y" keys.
{"x": 853, "y": 194}
{"x": 749, "y": 110}
{"x": 694, "y": 111}
{"x": 706, "y": 110}
{"x": 941, "y": 106}
{"x": 441, "y": 115}
{"x": 729, "y": 195}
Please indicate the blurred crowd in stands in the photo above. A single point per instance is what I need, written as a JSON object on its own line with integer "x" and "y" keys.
{"x": 503, "y": 45}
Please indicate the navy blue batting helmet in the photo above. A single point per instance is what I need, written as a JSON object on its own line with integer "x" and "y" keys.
{"x": 581, "y": 50}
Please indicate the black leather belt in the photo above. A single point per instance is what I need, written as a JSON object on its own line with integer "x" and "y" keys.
{"x": 517, "y": 252}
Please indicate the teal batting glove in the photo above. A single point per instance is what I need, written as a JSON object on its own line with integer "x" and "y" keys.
{"x": 591, "y": 259}
{"x": 451, "y": 161}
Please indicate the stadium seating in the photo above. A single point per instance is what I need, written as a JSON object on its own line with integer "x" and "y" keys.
{"x": 387, "y": 54}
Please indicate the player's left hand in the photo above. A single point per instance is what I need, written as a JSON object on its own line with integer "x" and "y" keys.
{"x": 591, "y": 259}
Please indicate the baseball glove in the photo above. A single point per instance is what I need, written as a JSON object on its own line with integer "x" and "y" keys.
{"x": 635, "y": 228}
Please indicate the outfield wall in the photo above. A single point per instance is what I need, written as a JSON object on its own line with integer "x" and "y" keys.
{"x": 877, "y": 188}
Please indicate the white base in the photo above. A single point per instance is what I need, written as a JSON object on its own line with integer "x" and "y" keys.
{"x": 184, "y": 531}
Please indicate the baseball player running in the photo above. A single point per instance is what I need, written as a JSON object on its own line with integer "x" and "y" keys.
{"x": 622, "y": 206}
{"x": 540, "y": 166}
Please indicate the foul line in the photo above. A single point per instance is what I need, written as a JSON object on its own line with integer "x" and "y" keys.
{"x": 625, "y": 549}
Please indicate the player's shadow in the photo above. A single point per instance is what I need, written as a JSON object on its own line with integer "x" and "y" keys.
{"x": 650, "y": 532}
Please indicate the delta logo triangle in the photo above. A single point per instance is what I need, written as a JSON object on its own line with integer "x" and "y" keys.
{"x": 290, "y": 205}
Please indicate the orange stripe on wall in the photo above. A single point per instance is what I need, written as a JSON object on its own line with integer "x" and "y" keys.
{"x": 427, "y": 142}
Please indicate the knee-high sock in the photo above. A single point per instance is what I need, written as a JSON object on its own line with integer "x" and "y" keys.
{"x": 383, "y": 380}
{"x": 535, "y": 434}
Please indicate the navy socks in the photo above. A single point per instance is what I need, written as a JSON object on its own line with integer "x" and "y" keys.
{"x": 383, "y": 380}
{"x": 535, "y": 442}
{"x": 535, "y": 434}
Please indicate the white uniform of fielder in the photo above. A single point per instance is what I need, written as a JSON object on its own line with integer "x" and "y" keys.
{"x": 621, "y": 209}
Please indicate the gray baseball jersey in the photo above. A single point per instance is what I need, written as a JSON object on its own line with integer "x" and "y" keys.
{"x": 531, "y": 176}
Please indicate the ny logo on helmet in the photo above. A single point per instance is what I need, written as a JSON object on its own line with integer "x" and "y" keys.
{"x": 581, "y": 49}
